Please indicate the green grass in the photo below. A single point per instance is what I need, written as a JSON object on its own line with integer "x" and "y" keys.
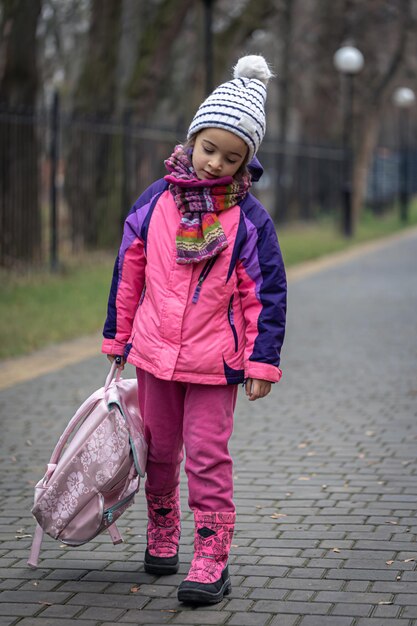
{"x": 304, "y": 242}
{"x": 40, "y": 309}
{"x": 43, "y": 309}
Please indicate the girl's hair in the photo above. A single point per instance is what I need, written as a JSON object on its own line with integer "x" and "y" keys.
{"x": 188, "y": 145}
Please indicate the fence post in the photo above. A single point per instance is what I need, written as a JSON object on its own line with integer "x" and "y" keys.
{"x": 54, "y": 157}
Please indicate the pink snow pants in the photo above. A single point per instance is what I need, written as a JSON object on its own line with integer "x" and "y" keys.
{"x": 198, "y": 418}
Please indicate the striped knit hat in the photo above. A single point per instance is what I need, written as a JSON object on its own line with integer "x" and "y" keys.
{"x": 238, "y": 105}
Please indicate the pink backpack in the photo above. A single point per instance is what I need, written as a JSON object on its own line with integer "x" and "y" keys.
{"x": 93, "y": 477}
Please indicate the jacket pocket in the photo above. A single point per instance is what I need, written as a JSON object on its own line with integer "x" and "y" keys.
{"x": 231, "y": 318}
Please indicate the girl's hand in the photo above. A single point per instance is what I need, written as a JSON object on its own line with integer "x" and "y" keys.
{"x": 256, "y": 388}
{"x": 119, "y": 360}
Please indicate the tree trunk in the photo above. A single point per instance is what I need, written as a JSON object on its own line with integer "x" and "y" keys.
{"x": 379, "y": 93}
{"x": 153, "y": 58}
{"x": 92, "y": 182}
{"x": 368, "y": 133}
{"x": 20, "y": 215}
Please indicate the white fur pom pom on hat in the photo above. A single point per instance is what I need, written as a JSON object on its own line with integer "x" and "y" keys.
{"x": 253, "y": 66}
{"x": 239, "y": 104}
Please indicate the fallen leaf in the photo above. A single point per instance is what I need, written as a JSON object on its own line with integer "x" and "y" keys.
{"x": 278, "y": 515}
{"x": 324, "y": 486}
{"x": 235, "y": 545}
{"x": 304, "y": 478}
{"x": 369, "y": 433}
{"x": 134, "y": 589}
{"x": 336, "y": 550}
{"x": 22, "y": 536}
{"x": 302, "y": 445}
{"x": 28, "y": 442}
{"x": 389, "y": 562}
{"x": 385, "y": 602}
{"x": 413, "y": 558}
{"x": 391, "y": 522}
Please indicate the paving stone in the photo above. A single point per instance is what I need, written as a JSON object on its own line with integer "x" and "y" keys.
{"x": 380, "y": 621}
{"x": 19, "y": 609}
{"x": 7, "y": 621}
{"x": 284, "y": 620}
{"x": 352, "y": 609}
{"x": 201, "y": 617}
{"x": 102, "y": 613}
{"x": 61, "y": 611}
{"x": 249, "y": 619}
{"x": 271, "y": 606}
{"x": 108, "y": 600}
{"x": 42, "y": 621}
{"x": 385, "y": 610}
{"x": 133, "y": 616}
{"x": 323, "y": 620}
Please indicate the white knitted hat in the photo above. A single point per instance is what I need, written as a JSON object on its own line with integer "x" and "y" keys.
{"x": 238, "y": 105}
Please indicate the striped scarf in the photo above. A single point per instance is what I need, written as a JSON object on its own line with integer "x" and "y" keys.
{"x": 200, "y": 234}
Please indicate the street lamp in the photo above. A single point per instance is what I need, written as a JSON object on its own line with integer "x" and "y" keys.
{"x": 403, "y": 98}
{"x": 348, "y": 60}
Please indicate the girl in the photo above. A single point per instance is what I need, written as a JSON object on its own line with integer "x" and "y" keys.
{"x": 197, "y": 304}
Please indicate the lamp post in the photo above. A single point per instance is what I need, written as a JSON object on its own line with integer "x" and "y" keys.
{"x": 404, "y": 98}
{"x": 348, "y": 60}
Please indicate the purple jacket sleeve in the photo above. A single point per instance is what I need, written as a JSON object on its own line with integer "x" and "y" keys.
{"x": 263, "y": 291}
{"x": 129, "y": 273}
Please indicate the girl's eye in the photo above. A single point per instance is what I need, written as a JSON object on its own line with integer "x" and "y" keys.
{"x": 208, "y": 150}
{"x": 231, "y": 161}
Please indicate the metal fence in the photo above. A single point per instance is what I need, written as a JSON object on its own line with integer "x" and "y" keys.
{"x": 67, "y": 183}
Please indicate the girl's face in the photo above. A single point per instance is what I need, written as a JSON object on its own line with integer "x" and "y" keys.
{"x": 217, "y": 153}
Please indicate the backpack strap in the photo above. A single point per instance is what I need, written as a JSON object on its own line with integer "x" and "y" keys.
{"x": 114, "y": 533}
{"x": 80, "y": 415}
{"x": 36, "y": 547}
{"x": 33, "y": 560}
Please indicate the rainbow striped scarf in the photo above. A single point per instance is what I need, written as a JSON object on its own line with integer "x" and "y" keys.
{"x": 200, "y": 234}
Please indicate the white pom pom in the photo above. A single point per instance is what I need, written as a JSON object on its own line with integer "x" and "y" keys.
{"x": 253, "y": 66}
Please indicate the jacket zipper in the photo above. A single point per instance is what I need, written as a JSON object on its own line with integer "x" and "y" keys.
{"x": 142, "y": 296}
{"x": 204, "y": 273}
{"x": 231, "y": 319}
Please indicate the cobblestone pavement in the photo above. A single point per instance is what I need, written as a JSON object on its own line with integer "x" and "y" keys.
{"x": 326, "y": 485}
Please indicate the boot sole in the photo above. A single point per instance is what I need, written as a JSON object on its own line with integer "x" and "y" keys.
{"x": 199, "y": 596}
{"x": 161, "y": 570}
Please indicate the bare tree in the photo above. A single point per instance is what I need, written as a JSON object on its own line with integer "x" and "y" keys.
{"x": 20, "y": 219}
{"x": 385, "y": 49}
{"x": 90, "y": 185}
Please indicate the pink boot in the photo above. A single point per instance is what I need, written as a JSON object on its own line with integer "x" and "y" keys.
{"x": 164, "y": 530}
{"x": 208, "y": 579}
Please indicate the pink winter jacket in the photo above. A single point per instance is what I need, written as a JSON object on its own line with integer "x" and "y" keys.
{"x": 215, "y": 322}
